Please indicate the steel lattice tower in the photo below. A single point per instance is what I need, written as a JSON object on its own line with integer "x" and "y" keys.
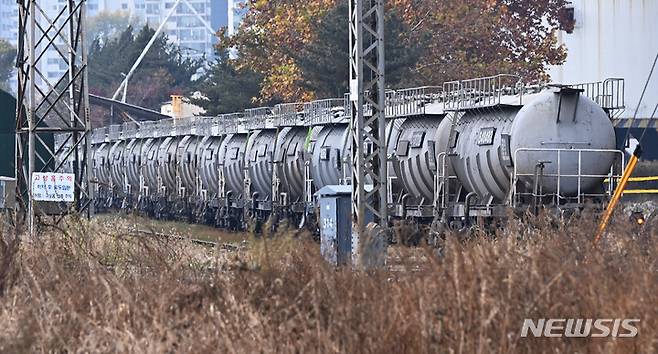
{"x": 368, "y": 120}
{"x": 52, "y": 105}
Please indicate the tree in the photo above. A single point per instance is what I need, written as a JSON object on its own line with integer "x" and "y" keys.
{"x": 324, "y": 61}
{"x": 227, "y": 89}
{"x": 7, "y": 57}
{"x": 474, "y": 38}
{"x": 451, "y": 39}
{"x": 163, "y": 71}
{"x": 107, "y": 25}
{"x": 269, "y": 33}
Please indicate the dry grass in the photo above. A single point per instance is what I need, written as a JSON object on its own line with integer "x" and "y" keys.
{"x": 89, "y": 288}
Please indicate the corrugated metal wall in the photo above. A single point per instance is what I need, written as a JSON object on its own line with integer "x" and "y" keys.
{"x": 613, "y": 38}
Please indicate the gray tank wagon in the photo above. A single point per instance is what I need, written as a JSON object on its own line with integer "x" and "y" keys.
{"x": 186, "y": 156}
{"x": 290, "y": 160}
{"x": 117, "y": 169}
{"x": 560, "y": 144}
{"x": 417, "y": 158}
{"x": 581, "y": 125}
{"x": 332, "y": 146}
{"x": 101, "y": 164}
{"x": 149, "y": 166}
{"x": 231, "y": 156}
{"x": 260, "y": 154}
{"x": 133, "y": 157}
{"x": 103, "y": 173}
{"x": 209, "y": 165}
{"x": 168, "y": 166}
{"x": 454, "y": 156}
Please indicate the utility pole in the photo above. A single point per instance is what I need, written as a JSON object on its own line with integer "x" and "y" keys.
{"x": 52, "y": 106}
{"x": 368, "y": 131}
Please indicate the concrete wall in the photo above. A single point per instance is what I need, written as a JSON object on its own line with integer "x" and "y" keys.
{"x": 613, "y": 38}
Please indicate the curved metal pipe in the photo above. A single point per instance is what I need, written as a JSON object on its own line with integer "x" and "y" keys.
{"x": 403, "y": 202}
{"x": 467, "y": 203}
{"x": 254, "y": 198}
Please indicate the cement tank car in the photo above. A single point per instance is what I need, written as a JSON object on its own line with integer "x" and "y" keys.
{"x": 457, "y": 153}
{"x": 556, "y": 149}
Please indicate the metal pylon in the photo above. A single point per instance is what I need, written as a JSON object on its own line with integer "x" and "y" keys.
{"x": 50, "y": 105}
{"x": 368, "y": 131}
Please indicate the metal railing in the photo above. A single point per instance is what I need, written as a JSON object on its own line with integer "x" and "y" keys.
{"x": 482, "y": 92}
{"x": 442, "y": 183}
{"x": 164, "y": 128}
{"x": 256, "y": 118}
{"x": 147, "y": 129}
{"x": 609, "y": 94}
{"x": 325, "y": 111}
{"x": 114, "y": 132}
{"x": 204, "y": 126}
{"x": 227, "y": 123}
{"x": 129, "y": 130}
{"x": 99, "y": 135}
{"x": 412, "y": 101}
{"x": 558, "y": 197}
{"x": 451, "y": 96}
{"x": 289, "y": 114}
{"x": 185, "y": 125}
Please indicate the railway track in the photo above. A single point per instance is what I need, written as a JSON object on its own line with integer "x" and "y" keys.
{"x": 231, "y": 247}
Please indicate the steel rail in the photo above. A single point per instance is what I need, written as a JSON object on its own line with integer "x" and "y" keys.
{"x": 222, "y": 245}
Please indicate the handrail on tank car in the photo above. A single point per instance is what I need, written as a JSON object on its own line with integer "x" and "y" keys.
{"x": 184, "y": 125}
{"x": 256, "y": 118}
{"x": 226, "y": 123}
{"x": 114, "y": 132}
{"x": 609, "y": 94}
{"x": 611, "y": 174}
{"x": 164, "y": 128}
{"x": 99, "y": 135}
{"x": 411, "y": 101}
{"x": 289, "y": 114}
{"x": 326, "y": 111}
{"x": 481, "y": 92}
{"x": 203, "y": 125}
{"x": 147, "y": 129}
{"x": 129, "y": 130}
{"x": 442, "y": 183}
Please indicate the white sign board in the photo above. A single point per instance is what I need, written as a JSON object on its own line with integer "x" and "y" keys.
{"x": 53, "y": 187}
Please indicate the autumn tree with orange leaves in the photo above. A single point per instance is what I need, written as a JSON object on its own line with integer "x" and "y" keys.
{"x": 449, "y": 39}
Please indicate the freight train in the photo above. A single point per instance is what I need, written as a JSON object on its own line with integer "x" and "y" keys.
{"x": 460, "y": 153}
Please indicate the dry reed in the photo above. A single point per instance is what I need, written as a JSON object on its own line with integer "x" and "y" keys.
{"x": 92, "y": 288}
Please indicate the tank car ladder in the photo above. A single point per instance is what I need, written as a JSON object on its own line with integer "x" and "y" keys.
{"x": 275, "y": 183}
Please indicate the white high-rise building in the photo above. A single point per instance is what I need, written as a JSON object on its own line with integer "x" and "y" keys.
{"x": 184, "y": 28}
{"x": 9, "y": 30}
{"x": 236, "y": 10}
{"x": 9, "y": 21}
{"x": 52, "y": 66}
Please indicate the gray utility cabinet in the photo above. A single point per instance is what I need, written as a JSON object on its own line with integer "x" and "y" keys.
{"x": 7, "y": 192}
{"x": 335, "y": 203}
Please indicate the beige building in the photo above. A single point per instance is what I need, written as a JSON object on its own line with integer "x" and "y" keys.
{"x": 180, "y": 106}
